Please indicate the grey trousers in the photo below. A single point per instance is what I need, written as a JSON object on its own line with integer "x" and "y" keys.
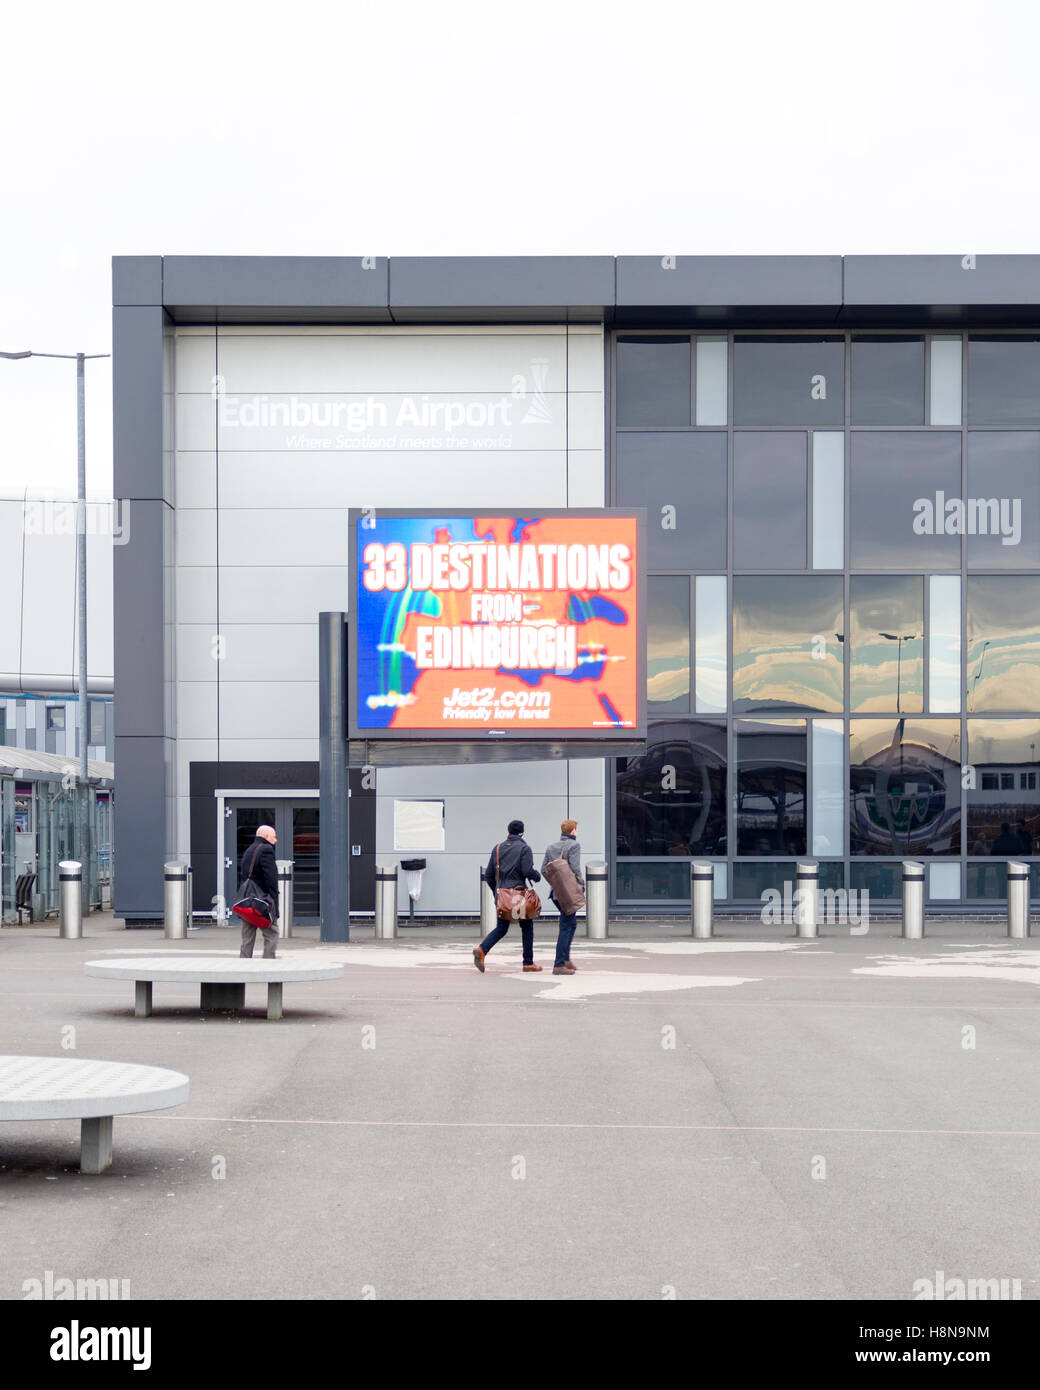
{"x": 270, "y": 935}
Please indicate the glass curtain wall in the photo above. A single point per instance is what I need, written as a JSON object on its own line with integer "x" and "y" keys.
{"x": 843, "y": 608}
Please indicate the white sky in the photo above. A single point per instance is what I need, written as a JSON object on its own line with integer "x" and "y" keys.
{"x": 446, "y": 128}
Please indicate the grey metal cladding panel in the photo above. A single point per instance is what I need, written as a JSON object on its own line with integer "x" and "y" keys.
{"x": 137, "y": 401}
{"x": 893, "y": 280}
{"x": 140, "y": 824}
{"x": 276, "y": 281}
{"x": 730, "y": 280}
{"x": 139, "y": 625}
{"x": 461, "y": 282}
{"x": 136, "y": 279}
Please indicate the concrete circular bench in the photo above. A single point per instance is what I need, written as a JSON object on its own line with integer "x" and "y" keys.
{"x": 66, "y": 1088}
{"x": 223, "y": 978}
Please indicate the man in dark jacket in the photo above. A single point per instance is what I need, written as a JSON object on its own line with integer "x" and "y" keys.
{"x": 511, "y": 866}
{"x": 259, "y": 864}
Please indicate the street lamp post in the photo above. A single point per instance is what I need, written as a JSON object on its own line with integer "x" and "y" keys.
{"x": 83, "y": 800}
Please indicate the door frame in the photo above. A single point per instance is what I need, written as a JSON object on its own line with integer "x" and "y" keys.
{"x": 223, "y": 794}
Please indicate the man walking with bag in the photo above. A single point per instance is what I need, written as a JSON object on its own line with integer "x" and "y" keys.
{"x": 260, "y": 868}
{"x": 511, "y": 866}
{"x": 562, "y": 869}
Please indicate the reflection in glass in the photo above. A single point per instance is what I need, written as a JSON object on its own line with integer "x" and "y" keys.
{"x": 944, "y": 643}
{"x": 944, "y": 404}
{"x": 888, "y": 381}
{"x": 667, "y": 879}
{"x": 828, "y": 500}
{"x": 1003, "y": 506}
{"x": 787, "y": 643}
{"x": 1003, "y": 643}
{"x": 788, "y": 381}
{"x": 828, "y": 787}
{"x": 711, "y": 631}
{"x": 769, "y": 500}
{"x": 653, "y": 381}
{"x": 879, "y": 880}
{"x": 891, "y": 474}
{"x": 668, "y": 642}
{"x": 988, "y": 879}
{"x": 1004, "y": 803}
{"x": 771, "y": 778}
{"x": 681, "y": 481}
{"x": 886, "y": 618}
{"x": 712, "y": 380}
{"x": 672, "y": 799}
{"x": 1004, "y": 381}
{"x": 905, "y": 786}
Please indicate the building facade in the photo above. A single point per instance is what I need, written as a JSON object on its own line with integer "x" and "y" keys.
{"x": 840, "y": 463}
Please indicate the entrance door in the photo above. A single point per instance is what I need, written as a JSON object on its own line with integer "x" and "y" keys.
{"x": 297, "y": 823}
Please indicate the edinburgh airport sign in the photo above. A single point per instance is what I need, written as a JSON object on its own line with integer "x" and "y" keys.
{"x": 472, "y": 625}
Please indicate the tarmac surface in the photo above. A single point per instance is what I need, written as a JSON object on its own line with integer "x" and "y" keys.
{"x": 753, "y": 1117}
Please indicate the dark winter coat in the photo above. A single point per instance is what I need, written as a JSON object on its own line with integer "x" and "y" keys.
{"x": 516, "y": 862}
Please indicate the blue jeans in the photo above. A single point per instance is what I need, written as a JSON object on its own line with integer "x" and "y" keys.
{"x": 568, "y": 926}
{"x": 526, "y": 938}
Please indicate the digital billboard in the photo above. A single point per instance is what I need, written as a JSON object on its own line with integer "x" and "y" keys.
{"x": 473, "y": 625}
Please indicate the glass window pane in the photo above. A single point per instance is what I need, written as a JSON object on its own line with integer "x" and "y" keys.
{"x": 642, "y": 881}
{"x": 899, "y": 486}
{"x": 945, "y": 381}
{"x": 753, "y": 881}
{"x": 944, "y": 643}
{"x": 653, "y": 381}
{"x": 828, "y": 500}
{"x": 1003, "y": 809}
{"x": 886, "y": 617}
{"x": 668, "y": 643}
{"x": 712, "y": 380}
{"x": 828, "y": 790}
{"x": 787, "y": 643}
{"x": 711, "y": 629}
{"x": 1004, "y": 381}
{"x": 672, "y": 799}
{"x": 888, "y": 381}
{"x": 1003, "y": 504}
{"x": 788, "y": 381}
{"x": 1003, "y": 643}
{"x": 771, "y": 777}
{"x": 681, "y": 481}
{"x": 769, "y": 500}
{"x": 881, "y": 881}
{"x": 944, "y": 881}
{"x": 905, "y": 786}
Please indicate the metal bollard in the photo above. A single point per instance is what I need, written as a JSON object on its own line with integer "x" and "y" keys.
{"x": 913, "y": 900}
{"x": 285, "y": 897}
{"x": 386, "y": 902}
{"x": 175, "y": 894}
{"x": 702, "y": 899}
{"x": 597, "y": 927}
{"x": 488, "y": 910}
{"x": 1018, "y": 899}
{"x": 70, "y": 899}
{"x": 806, "y": 899}
{"x": 189, "y": 898}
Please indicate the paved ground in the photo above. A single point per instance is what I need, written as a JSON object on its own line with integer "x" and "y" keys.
{"x": 751, "y": 1117}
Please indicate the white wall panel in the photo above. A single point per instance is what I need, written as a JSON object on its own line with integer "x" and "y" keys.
{"x": 195, "y": 361}
{"x": 11, "y": 522}
{"x": 587, "y": 776}
{"x": 402, "y": 360}
{"x": 262, "y": 651}
{"x": 283, "y": 537}
{"x": 49, "y": 605}
{"x": 275, "y": 750}
{"x": 585, "y": 421}
{"x": 268, "y": 709}
{"x": 196, "y": 537}
{"x": 523, "y": 778}
{"x": 268, "y": 594}
{"x": 196, "y": 480}
{"x": 195, "y": 423}
{"x": 196, "y": 589}
{"x": 197, "y": 709}
{"x": 586, "y": 478}
{"x": 192, "y": 750}
{"x": 585, "y": 360}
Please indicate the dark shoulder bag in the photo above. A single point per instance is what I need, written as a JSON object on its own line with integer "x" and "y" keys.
{"x": 253, "y": 905}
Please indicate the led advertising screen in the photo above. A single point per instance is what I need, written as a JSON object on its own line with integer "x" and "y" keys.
{"x": 474, "y": 625}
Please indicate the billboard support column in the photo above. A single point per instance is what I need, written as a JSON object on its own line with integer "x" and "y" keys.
{"x": 333, "y": 777}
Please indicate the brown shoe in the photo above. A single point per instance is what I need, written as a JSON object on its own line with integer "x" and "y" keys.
{"x": 573, "y": 966}
{"x": 567, "y": 969}
{"x": 478, "y": 958}
{"x": 532, "y": 967}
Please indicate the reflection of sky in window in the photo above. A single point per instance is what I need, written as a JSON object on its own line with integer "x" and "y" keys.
{"x": 1009, "y": 741}
{"x": 1003, "y": 643}
{"x": 668, "y": 640}
{"x": 887, "y": 652}
{"x": 786, "y": 643}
